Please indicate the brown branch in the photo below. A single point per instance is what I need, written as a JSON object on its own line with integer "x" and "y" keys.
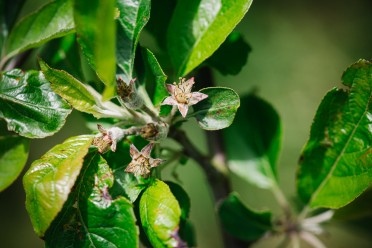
{"x": 218, "y": 181}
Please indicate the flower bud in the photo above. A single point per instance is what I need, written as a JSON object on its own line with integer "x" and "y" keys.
{"x": 107, "y": 139}
{"x": 128, "y": 94}
{"x": 155, "y": 131}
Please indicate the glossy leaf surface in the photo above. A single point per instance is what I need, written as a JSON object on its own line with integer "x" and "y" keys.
{"x": 72, "y": 90}
{"x": 29, "y": 105}
{"x": 91, "y": 218}
{"x": 160, "y": 215}
{"x": 95, "y": 27}
{"x": 13, "y": 157}
{"x": 335, "y": 166}
{"x": 218, "y": 110}
{"x": 253, "y": 142}
{"x": 242, "y": 222}
{"x": 53, "y": 20}
{"x": 199, "y": 27}
{"x": 231, "y": 56}
{"x": 49, "y": 180}
{"x": 64, "y": 54}
{"x": 133, "y": 16}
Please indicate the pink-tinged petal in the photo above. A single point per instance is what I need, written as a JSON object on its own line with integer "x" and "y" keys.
{"x": 146, "y": 151}
{"x": 188, "y": 84}
{"x": 196, "y": 97}
{"x": 183, "y": 108}
{"x": 169, "y": 101}
{"x": 133, "y": 151}
{"x": 156, "y": 162}
{"x": 170, "y": 88}
{"x": 113, "y": 146}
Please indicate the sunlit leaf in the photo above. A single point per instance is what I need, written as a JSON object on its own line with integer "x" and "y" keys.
{"x": 49, "y": 180}
{"x": 186, "y": 231}
{"x": 242, "y": 222}
{"x": 51, "y": 21}
{"x": 360, "y": 209}
{"x": 133, "y": 16}
{"x": 13, "y": 157}
{"x": 218, "y": 110}
{"x": 253, "y": 142}
{"x": 64, "y": 54}
{"x": 91, "y": 217}
{"x": 199, "y": 27}
{"x": 29, "y": 105}
{"x": 160, "y": 215}
{"x": 95, "y": 28}
{"x": 231, "y": 56}
{"x": 335, "y": 166}
{"x": 75, "y": 92}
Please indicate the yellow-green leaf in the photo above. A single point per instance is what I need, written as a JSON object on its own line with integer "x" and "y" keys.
{"x": 49, "y": 180}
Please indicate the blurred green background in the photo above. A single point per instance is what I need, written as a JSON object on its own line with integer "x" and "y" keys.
{"x": 299, "y": 51}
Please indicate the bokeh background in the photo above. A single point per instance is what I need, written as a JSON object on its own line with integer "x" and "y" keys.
{"x": 299, "y": 50}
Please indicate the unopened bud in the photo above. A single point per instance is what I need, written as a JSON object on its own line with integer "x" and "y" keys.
{"x": 155, "y": 131}
{"x": 128, "y": 94}
{"x": 107, "y": 139}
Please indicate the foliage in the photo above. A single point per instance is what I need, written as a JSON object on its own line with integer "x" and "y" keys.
{"x": 106, "y": 189}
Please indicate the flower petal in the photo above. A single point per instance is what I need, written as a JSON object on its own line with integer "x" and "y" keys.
{"x": 170, "y": 88}
{"x": 133, "y": 151}
{"x": 196, "y": 97}
{"x": 156, "y": 162}
{"x": 169, "y": 101}
{"x": 183, "y": 108}
{"x": 113, "y": 146}
{"x": 188, "y": 84}
{"x": 146, "y": 151}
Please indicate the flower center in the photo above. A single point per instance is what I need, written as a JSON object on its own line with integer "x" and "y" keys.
{"x": 182, "y": 94}
{"x": 141, "y": 160}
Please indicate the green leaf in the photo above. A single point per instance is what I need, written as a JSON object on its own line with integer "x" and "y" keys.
{"x": 199, "y": 27}
{"x": 132, "y": 18}
{"x": 242, "y": 222}
{"x": 53, "y": 20}
{"x": 49, "y": 180}
{"x": 29, "y": 105}
{"x": 64, "y": 54}
{"x": 152, "y": 76}
{"x": 186, "y": 230}
{"x": 160, "y": 215}
{"x": 182, "y": 198}
{"x": 91, "y": 218}
{"x": 360, "y": 209}
{"x": 253, "y": 142}
{"x": 13, "y": 157}
{"x": 95, "y": 27}
{"x": 218, "y": 110}
{"x": 75, "y": 92}
{"x": 159, "y": 22}
{"x": 231, "y": 56}
{"x": 125, "y": 184}
{"x": 335, "y": 166}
